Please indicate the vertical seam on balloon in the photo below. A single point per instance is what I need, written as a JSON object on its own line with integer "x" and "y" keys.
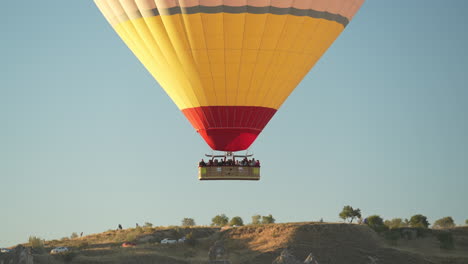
{"x": 137, "y": 42}
{"x": 209, "y": 68}
{"x": 209, "y": 61}
{"x": 320, "y": 54}
{"x": 273, "y": 97}
{"x": 225, "y": 63}
{"x": 177, "y": 55}
{"x": 202, "y": 90}
{"x": 179, "y": 91}
{"x": 258, "y": 53}
{"x": 277, "y": 51}
{"x": 150, "y": 50}
{"x": 249, "y": 113}
{"x": 240, "y": 66}
{"x": 178, "y": 62}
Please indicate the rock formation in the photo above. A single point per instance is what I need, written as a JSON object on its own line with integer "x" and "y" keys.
{"x": 310, "y": 259}
{"x": 218, "y": 253}
{"x": 287, "y": 258}
{"x": 19, "y": 255}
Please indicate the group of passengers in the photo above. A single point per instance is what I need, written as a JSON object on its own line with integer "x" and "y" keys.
{"x": 229, "y": 162}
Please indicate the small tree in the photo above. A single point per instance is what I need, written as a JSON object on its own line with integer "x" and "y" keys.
{"x": 349, "y": 213}
{"x": 446, "y": 222}
{"x": 466, "y": 222}
{"x": 188, "y": 222}
{"x": 268, "y": 219}
{"x": 256, "y": 219}
{"x": 419, "y": 221}
{"x": 376, "y": 222}
{"x": 74, "y": 235}
{"x": 36, "y": 242}
{"x": 220, "y": 220}
{"x": 148, "y": 225}
{"x": 236, "y": 221}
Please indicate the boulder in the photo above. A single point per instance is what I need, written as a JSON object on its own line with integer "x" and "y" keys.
{"x": 286, "y": 258}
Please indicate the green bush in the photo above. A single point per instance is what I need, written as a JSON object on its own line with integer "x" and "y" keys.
{"x": 446, "y": 240}
{"x": 446, "y": 222}
{"x": 188, "y": 222}
{"x": 36, "y": 242}
{"x": 419, "y": 221}
{"x": 268, "y": 219}
{"x": 236, "y": 221}
{"x": 73, "y": 235}
{"x": 256, "y": 219}
{"x": 220, "y": 220}
{"x": 148, "y": 225}
{"x": 376, "y": 222}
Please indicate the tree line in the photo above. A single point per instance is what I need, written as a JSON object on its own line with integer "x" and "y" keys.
{"x": 377, "y": 223}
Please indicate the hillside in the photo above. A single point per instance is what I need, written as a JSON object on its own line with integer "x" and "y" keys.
{"x": 329, "y": 243}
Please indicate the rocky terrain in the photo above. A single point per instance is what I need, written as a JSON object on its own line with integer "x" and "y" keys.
{"x": 293, "y": 243}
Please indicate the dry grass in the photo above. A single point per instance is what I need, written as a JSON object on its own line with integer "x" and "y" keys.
{"x": 332, "y": 243}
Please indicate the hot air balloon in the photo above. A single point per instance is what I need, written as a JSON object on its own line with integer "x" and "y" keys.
{"x": 229, "y": 65}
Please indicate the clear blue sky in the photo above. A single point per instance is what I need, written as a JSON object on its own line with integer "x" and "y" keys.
{"x": 89, "y": 140}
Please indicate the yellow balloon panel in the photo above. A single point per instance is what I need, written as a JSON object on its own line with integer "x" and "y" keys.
{"x": 228, "y": 59}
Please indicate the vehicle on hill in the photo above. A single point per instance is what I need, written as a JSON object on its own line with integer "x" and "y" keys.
{"x": 168, "y": 241}
{"x": 59, "y": 250}
{"x": 128, "y": 244}
{"x": 5, "y": 250}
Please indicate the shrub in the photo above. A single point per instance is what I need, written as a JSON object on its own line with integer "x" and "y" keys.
{"x": 446, "y": 240}
{"x": 36, "y": 242}
{"x": 220, "y": 220}
{"x": 349, "y": 213}
{"x": 132, "y": 236}
{"x": 466, "y": 222}
{"x": 256, "y": 219}
{"x": 446, "y": 222}
{"x": 191, "y": 240}
{"x": 268, "y": 219}
{"x": 139, "y": 230}
{"x": 395, "y": 223}
{"x": 236, "y": 221}
{"x": 188, "y": 222}
{"x": 83, "y": 245}
{"x": 419, "y": 221}
{"x": 73, "y": 235}
{"x": 376, "y": 222}
{"x": 148, "y": 225}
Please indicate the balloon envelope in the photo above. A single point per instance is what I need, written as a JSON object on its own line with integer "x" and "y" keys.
{"x": 229, "y": 64}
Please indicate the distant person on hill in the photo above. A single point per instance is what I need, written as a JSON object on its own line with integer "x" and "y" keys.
{"x": 81, "y": 235}
{"x": 120, "y": 227}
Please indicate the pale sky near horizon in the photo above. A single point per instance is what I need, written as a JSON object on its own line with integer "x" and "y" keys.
{"x": 88, "y": 139}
